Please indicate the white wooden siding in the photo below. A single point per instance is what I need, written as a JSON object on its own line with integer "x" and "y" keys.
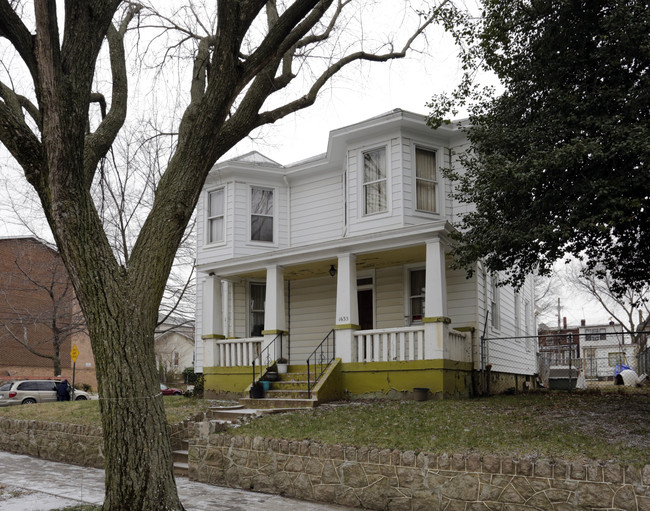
{"x": 313, "y": 315}
{"x": 317, "y": 210}
{"x": 389, "y": 297}
{"x": 454, "y": 208}
{"x": 240, "y": 308}
{"x": 461, "y": 298}
{"x": 396, "y": 190}
{"x": 512, "y": 355}
{"x": 407, "y": 178}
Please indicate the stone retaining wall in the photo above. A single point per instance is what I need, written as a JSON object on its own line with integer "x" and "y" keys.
{"x": 68, "y": 443}
{"x": 385, "y": 479}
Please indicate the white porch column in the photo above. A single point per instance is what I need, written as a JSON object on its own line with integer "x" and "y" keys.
{"x": 275, "y": 322}
{"x": 347, "y": 308}
{"x": 212, "y": 324}
{"x": 436, "y": 322}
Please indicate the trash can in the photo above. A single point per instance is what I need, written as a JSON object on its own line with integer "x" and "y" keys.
{"x": 420, "y": 393}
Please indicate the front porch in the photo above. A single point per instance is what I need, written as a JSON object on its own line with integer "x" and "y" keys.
{"x": 388, "y": 362}
{"x": 388, "y": 339}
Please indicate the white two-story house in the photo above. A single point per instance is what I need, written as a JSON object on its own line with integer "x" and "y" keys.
{"x": 343, "y": 258}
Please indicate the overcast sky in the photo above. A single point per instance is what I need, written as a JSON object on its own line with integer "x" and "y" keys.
{"x": 360, "y": 93}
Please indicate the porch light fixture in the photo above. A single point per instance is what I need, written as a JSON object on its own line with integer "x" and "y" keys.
{"x": 332, "y": 270}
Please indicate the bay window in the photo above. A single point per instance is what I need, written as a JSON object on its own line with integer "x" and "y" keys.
{"x": 216, "y": 210}
{"x": 261, "y": 214}
{"x": 425, "y": 180}
{"x": 374, "y": 181}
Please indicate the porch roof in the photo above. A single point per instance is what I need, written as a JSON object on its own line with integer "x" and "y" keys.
{"x": 405, "y": 245}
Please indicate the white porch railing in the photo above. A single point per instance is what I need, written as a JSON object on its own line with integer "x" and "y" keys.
{"x": 458, "y": 346}
{"x": 388, "y": 344}
{"x": 237, "y": 352}
{"x": 405, "y": 344}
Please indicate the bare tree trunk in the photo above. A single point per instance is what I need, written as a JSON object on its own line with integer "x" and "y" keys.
{"x": 139, "y": 465}
{"x": 121, "y": 316}
{"x": 230, "y": 85}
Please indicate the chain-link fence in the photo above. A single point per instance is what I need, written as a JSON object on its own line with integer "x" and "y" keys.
{"x": 587, "y": 357}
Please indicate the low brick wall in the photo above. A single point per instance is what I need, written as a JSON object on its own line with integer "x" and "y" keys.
{"x": 385, "y": 479}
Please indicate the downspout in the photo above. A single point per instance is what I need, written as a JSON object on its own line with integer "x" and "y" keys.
{"x": 444, "y": 194}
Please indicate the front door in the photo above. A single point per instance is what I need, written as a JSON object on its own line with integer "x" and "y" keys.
{"x": 364, "y": 298}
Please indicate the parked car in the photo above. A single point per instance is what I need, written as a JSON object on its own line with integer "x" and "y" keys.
{"x": 25, "y": 392}
{"x": 170, "y": 391}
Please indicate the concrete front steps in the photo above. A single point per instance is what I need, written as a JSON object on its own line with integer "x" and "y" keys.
{"x": 289, "y": 392}
{"x": 181, "y": 460}
{"x": 225, "y": 416}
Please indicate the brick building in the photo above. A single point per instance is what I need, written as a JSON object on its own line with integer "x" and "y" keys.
{"x": 559, "y": 344}
{"x": 40, "y": 319}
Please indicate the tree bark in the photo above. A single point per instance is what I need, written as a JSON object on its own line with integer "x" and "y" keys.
{"x": 120, "y": 303}
{"x": 139, "y": 465}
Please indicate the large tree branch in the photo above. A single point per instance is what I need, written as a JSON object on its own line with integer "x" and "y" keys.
{"x": 285, "y": 33}
{"x": 21, "y": 142}
{"x": 13, "y": 29}
{"x": 18, "y": 103}
{"x": 317, "y": 38}
{"x": 309, "y": 98}
{"x": 98, "y": 143}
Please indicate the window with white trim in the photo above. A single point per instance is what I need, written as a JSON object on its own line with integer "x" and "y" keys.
{"x": 517, "y": 315}
{"x": 494, "y": 301}
{"x": 526, "y": 316}
{"x": 257, "y": 303}
{"x": 616, "y": 358}
{"x": 216, "y": 212}
{"x": 261, "y": 214}
{"x": 425, "y": 180}
{"x": 417, "y": 284}
{"x": 374, "y": 181}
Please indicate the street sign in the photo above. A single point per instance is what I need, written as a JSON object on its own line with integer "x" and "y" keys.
{"x": 74, "y": 353}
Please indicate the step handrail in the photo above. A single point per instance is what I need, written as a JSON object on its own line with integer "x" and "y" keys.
{"x": 320, "y": 358}
{"x": 267, "y": 350}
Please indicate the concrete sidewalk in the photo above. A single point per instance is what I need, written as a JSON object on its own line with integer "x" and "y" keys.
{"x": 33, "y": 484}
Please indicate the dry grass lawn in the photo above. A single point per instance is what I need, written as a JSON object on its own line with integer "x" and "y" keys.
{"x": 594, "y": 425}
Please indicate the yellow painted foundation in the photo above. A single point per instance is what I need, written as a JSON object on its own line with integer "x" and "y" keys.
{"x": 443, "y": 378}
{"x": 227, "y": 380}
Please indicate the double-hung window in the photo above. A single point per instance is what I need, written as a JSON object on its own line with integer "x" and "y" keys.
{"x": 417, "y": 293}
{"x": 216, "y": 210}
{"x": 425, "y": 180}
{"x": 494, "y": 301}
{"x": 374, "y": 181}
{"x": 261, "y": 214}
{"x": 257, "y": 304}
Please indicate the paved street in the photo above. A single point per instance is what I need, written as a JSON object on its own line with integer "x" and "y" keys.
{"x": 32, "y": 484}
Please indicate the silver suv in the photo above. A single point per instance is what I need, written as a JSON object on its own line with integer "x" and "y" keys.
{"x": 33, "y": 391}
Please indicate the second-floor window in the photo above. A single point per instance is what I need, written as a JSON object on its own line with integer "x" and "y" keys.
{"x": 261, "y": 214}
{"x": 216, "y": 208}
{"x": 425, "y": 180}
{"x": 374, "y": 181}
